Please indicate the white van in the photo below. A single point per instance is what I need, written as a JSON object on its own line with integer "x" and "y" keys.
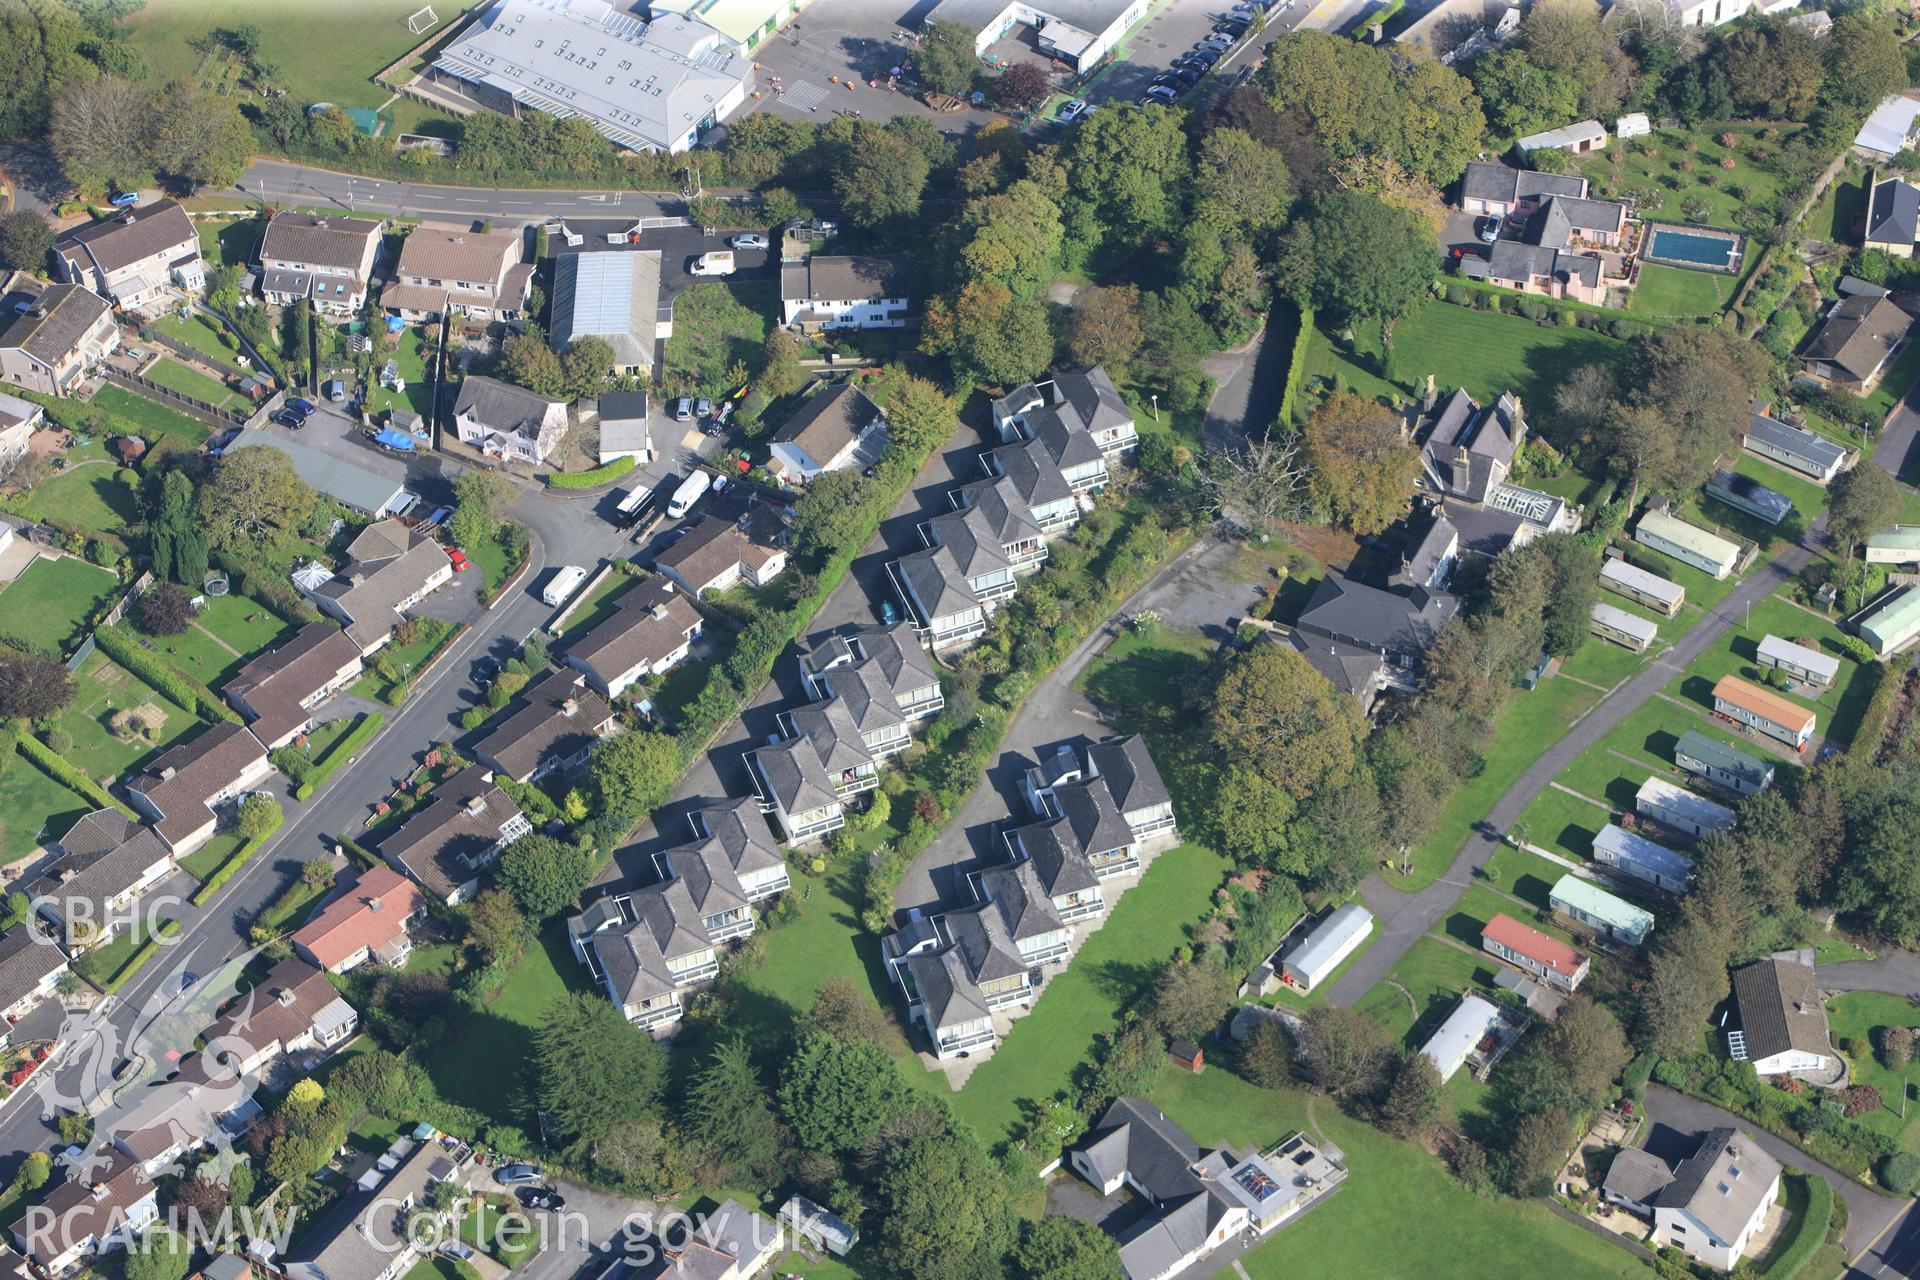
{"x": 717, "y": 263}
{"x": 565, "y": 581}
{"x": 688, "y": 493}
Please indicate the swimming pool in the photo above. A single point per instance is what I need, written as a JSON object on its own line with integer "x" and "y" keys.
{"x": 1688, "y": 246}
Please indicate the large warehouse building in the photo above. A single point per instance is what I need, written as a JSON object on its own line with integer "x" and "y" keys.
{"x": 647, "y": 86}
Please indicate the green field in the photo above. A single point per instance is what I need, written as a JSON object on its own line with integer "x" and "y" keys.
{"x": 715, "y": 327}
{"x": 599, "y": 605}
{"x": 232, "y": 243}
{"x": 1526, "y": 876}
{"x": 1859, "y": 1016}
{"x": 102, "y": 688}
{"x": 1480, "y": 904}
{"x": 1679, "y": 292}
{"x": 227, "y": 632}
{"x": 1723, "y": 192}
{"x": 173, "y": 375}
{"x": 1606, "y": 664}
{"x": 1110, "y": 970}
{"x": 152, "y": 419}
{"x": 1845, "y": 200}
{"x": 48, "y": 603}
{"x": 1434, "y": 973}
{"x": 482, "y": 1067}
{"x": 89, "y": 495}
{"x": 1397, "y": 1207}
{"x": 1838, "y": 709}
{"x": 1563, "y": 823}
{"x": 329, "y": 50}
{"x": 33, "y": 807}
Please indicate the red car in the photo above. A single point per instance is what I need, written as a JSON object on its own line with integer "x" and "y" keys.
{"x": 459, "y": 559}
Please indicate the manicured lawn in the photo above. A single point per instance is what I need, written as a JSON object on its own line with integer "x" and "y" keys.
{"x": 152, "y": 418}
{"x": 1481, "y": 904}
{"x": 411, "y": 347}
{"x": 599, "y": 604}
{"x": 110, "y": 965}
{"x": 1605, "y": 663}
{"x": 1527, "y": 876}
{"x": 232, "y": 243}
{"x": 89, "y": 495}
{"x": 1724, "y": 192}
{"x": 206, "y": 860}
{"x": 330, "y": 50}
{"x": 1679, "y": 292}
{"x": 1838, "y": 709}
{"x": 230, "y": 630}
{"x": 406, "y": 660}
{"x": 1845, "y": 200}
{"x": 1563, "y": 823}
{"x": 196, "y": 330}
{"x": 47, "y": 604}
{"x": 1434, "y": 973}
{"x": 103, "y": 688}
{"x": 1643, "y": 744}
{"x": 797, "y": 1264}
{"x": 1111, "y": 968}
{"x": 1704, "y": 591}
{"x": 1859, "y": 1016}
{"x": 1292, "y": 999}
{"x": 482, "y": 1067}
{"x": 1879, "y": 402}
{"x": 716, "y": 326}
{"x": 1399, "y": 1213}
{"x": 172, "y": 374}
{"x": 1525, "y": 727}
{"x": 34, "y": 807}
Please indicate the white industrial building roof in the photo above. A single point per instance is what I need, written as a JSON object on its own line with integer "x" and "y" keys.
{"x": 614, "y": 296}
{"x": 1775, "y": 649}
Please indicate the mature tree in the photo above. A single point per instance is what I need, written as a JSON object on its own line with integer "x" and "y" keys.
{"x": 1519, "y": 95}
{"x": 592, "y": 1068}
{"x": 544, "y": 875}
{"x": 846, "y": 1011}
{"x": 1105, "y": 328}
{"x": 1441, "y": 122}
{"x": 1259, "y": 486}
{"x": 1700, "y": 379}
{"x": 1687, "y": 977}
{"x": 253, "y": 498}
{"x": 944, "y": 57}
{"x": 828, "y": 515}
{"x": 1535, "y": 1150}
{"x": 198, "y": 136}
{"x": 480, "y": 501}
{"x": 1129, "y": 170}
{"x": 587, "y": 368}
{"x": 1061, "y": 1248}
{"x": 1865, "y": 61}
{"x": 1641, "y": 447}
{"x": 496, "y": 926}
{"x": 837, "y": 1093}
{"x": 38, "y": 1166}
{"x": 920, "y": 416}
{"x": 729, "y": 1111}
{"x": 527, "y": 361}
{"x": 1012, "y": 238}
{"x": 1573, "y": 1063}
{"x": 1345, "y": 1051}
{"x": 945, "y": 1212}
{"x": 1565, "y": 36}
{"x": 1583, "y": 404}
{"x": 32, "y": 686}
{"x": 45, "y": 45}
{"x": 1775, "y": 69}
{"x": 1252, "y": 817}
{"x": 1882, "y": 879}
{"x": 1352, "y": 257}
{"x": 1860, "y": 501}
{"x": 1190, "y": 998}
{"x": 1474, "y": 665}
{"x": 258, "y": 816}
{"x": 1414, "y": 1099}
{"x": 1348, "y": 92}
{"x": 25, "y": 241}
{"x": 1275, "y": 716}
{"x": 1240, "y": 186}
{"x": 159, "y": 1254}
{"x": 98, "y": 129}
{"x": 633, "y": 772}
{"x": 1394, "y": 184}
{"x": 166, "y": 610}
{"x": 1575, "y": 573}
{"x": 880, "y": 176}
{"x": 989, "y": 333}
{"x": 1021, "y": 87}
{"x": 1266, "y": 1055}
{"x": 1363, "y": 467}
{"x": 780, "y": 371}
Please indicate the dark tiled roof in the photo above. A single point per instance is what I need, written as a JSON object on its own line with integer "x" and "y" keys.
{"x": 1129, "y": 772}
{"x": 26, "y": 959}
{"x": 105, "y": 854}
{"x": 501, "y": 405}
{"x": 741, "y": 833}
{"x": 836, "y": 278}
{"x": 652, "y": 621}
{"x": 557, "y": 716}
{"x": 442, "y": 844}
{"x": 1816, "y": 450}
{"x": 1499, "y": 182}
{"x": 1708, "y": 1187}
{"x": 128, "y": 236}
{"x": 182, "y": 782}
{"x": 709, "y": 550}
{"x": 830, "y": 420}
{"x": 1893, "y": 215}
{"x": 276, "y": 683}
{"x": 56, "y": 323}
{"x": 317, "y": 240}
{"x": 1380, "y": 620}
{"x": 1858, "y": 335}
{"x": 1780, "y": 1009}
{"x": 1636, "y": 1175}
{"x": 1024, "y": 903}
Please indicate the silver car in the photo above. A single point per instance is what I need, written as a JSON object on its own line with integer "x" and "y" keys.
{"x": 747, "y": 241}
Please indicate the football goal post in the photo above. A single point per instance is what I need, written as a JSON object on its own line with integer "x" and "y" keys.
{"x": 422, "y": 20}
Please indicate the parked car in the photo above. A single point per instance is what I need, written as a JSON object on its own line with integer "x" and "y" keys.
{"x": 1231, "y": 30}
{"x": 457, "y": 1251}
{"x": 683, "y": 409}
{"x": 1071, "y": 111}
{"x": 335, "y": 390}
{"x": 1203, "y": 57}
{"x": 304, "y": 408}
{"x": 541, "y": 1198}
{"x": 516, "y": 1175}
{"x": 458, "y": 558}
{"x": 748, "y": 240}
{"x": 1218, "y": 42}
{"x": 1159, "y": 93}
{"x": 888, "y": 614}
{"x": 703, "y": 408}
{"x": 1487, "y": 228}
{"x": 1184, "y": 77}
{"x": 289, "y": 419}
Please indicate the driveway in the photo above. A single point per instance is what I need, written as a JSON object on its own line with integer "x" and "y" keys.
{"x": 1249, "y": 383}
{"x": 1898, "y": 449}
{"x": 1897, "y": 973}
{"x": 1868, "y": 1213}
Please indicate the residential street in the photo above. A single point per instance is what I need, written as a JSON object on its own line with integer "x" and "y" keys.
{"x": 1249, "y": 384}
{"x": 279, "y": 182}
{"x": 1403, "y": 919}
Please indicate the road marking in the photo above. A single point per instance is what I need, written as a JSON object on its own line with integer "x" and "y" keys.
{"x": 803, "y": 96}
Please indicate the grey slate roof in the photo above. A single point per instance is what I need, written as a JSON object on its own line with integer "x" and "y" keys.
{"x": 937, "y": 587}
{"x": 1001, "y": 509}
{"x": 1816, "y": 450}
{"x": 1057, "y": 860}
{"x": 847, "y": 278}
{"x": 739, "y": 831}
{"x": 1439, "y": 540}
{"x": 828, "y": 421}
{"x": 1488, "y": 438}
{"x": 277, "y": 682}
{"x": 1707, "y": 1185}
{"x": 706, "y": 875}
{"x": 1092, "y": 817}
{"x": 985, "y": 943}
{"x": 1636, "y": 1175}
{"x": 1781, "y": 1009}
{"x": 1484, "y": 181}
{"x": 1131, "y": 776}
{"x": 651, "y": 622}
{"x": 386, "y": 564}
{"x": 1035, "y": 475}
{"x": 794, "y": 774}
{"x": 317, "y": 241}
{"x": 828, "y": 729}
{"x": 442, "y": 844}
{"x": 1513, "y": 260}
{"x": 541, "y": 726}
{"x": 1137, "y": 1138}
{"x": 1893, "y": 214}
{"x": 945, "y": 988}
{"x": 25, "y": 961}
{"x": 128, "y": 236}
{"x": 1385, "y": 621}
{"x": 1024, "y": 903}
{"x": 1348, "y": 667}
{"x": 878, "y": 657}
{"x": 181, "y": 781}
{"x": 969, "y": 542}
{"x": 1858, "y": 335}
{"x": 54, "y": 325}
{"x": 501, "y": 405}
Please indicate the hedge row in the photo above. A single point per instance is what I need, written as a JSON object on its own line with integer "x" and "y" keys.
{"x": 593, "y": 477}
{"x": 1871, "y": 733}
{"x": 339, "y": 752}
{"x": 65, "y": 771}
{"x": 1810, "y": 1231}
{"x": 1296, "y": 366}
{"x": 236, "y": 860}
{"x": 135, "y": 961}
{"x": 118, "y": 643}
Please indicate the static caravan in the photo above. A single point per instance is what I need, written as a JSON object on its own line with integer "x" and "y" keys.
{"x": 1709, "y": 758}
{"x": 1809, "y": 666}
{"x": 1767, "y": 711}
{"x": 1583, "y": 901}
{"x": 1628, "y": 630}
{"x": 1680, "y": 808}
{"x": 1743, "y": 493}
{"x": 1547, "y": 959}
{"x": 1690, "y": 545}
{"x": 1641, "y": 859}
{"x": 1648, "y": 590}
{"x": 1332, "y": 941}
{"x": 1450, "y": 1046}
{"x": 1798, "y": 450}
{"x": 1898, "y": 545}
{"x": 1893, "y": 624}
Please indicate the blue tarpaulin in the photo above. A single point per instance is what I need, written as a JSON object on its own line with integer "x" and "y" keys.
{"x": 389, "y": 438}
{"x": 395, "y": 324}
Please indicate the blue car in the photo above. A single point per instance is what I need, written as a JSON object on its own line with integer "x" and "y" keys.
{"x": 302, "y": 407}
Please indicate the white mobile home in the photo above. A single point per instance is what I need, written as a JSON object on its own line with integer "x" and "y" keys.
{"x": 1806, "y": 665}
{"x": 1690, "y": 545}
{"x": 1648, "y": 590}
{"x": 1641, "y": 859}
{"x": 1628, "y": 630}
{"x": 1680, "y": 808}
{"x": 1449, "y": 1046}
{"x": 1332, "y": 941}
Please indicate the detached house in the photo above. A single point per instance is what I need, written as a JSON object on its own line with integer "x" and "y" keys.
{"x": 136, "y": 259}
{"x": 1855, "y": 343}
{"x": 467, "y": 824}
{"x": 881, "y": 675}
{"x": 837, "y": 427}
{"x": 508, "y": 422}
{"x": 30, "y": 969}
{"x": 182, "y": 789}
{"x": 1398, "y": 626}
{"x": 389, "y": 570}
{"x": 279, "y": 691}
{"x": 649, "y": 633}
{"x": 716, "y": 554}
{"x": 1893, "y": 217}
{"x": 473, "y": 274}
{"x": 1467, "y": 451}
{"x": 92, "y": 1213}
{"x": 1710, "y": 1205}
{"x": 57, "y": 340}
{"x": 555, "y": 725}
{"x": 321, "y": 257}
{"x": 101, "y": 866}
{"x": 1783, "y": 1022}
{"x": 831, "y": 291}
{"x": 366, "y": 923}
{"x": 293, "y": 1012}
{"x": 955, "y": 970}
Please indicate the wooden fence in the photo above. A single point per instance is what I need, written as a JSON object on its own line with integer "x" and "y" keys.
{"x": 172, "y": 399}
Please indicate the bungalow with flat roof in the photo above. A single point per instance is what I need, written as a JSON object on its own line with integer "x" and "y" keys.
{"x": 466, "y": 824}
{"x": 183, "y": 788}
{"x": 842, "y": 291}
{"x": 101, "y": 866}
{"x": 1710, "y": 1206}
{"x": 1797, "y": 449}
{"x": 1899, "y": 544}
{"x": 1808, "y": 666}
{"x": 446, "y": 269}
{"x": 1628, "y": 630}
{"x": 650, "y": 631}
{"x": 1763, "y": 709}
{"x": 1712, "y": 759}
{"x": 1893, "y": 623}
{"x": 280, "y": 690}
{"x": 1586, "y": 903}
{"x": 1689, "y": 544}
{"x": 1547, "y": 959}
{"x": 554, "y": 725}
{"x": 716, "y": 554}
{"x": 389, "y": 570}
{"x": 507, "y": 422}
{"x": 1648, "y": 590}
{"x": 137, "y": 258}
{"x": 52, "y": 345}
{"x": 367, "y": 922}
{"x": 1675, "y": 806}
{"x": 1744, "y": 493}
{"x": 1456, "y": 1038}
{"x": 613, "y": 296}
{"x": 1855, "y": 343}
{"x": 1783, "y": 1020}
{"x": 836, "y": 427}
{"x": 1638, "y": 858}
{"x": 1893, "y": 217}
{"x": 319, "y": 257}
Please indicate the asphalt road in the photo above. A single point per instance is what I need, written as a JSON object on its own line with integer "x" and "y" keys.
{"x": 1898, "y": 449}
{"x": 277, "y": 181}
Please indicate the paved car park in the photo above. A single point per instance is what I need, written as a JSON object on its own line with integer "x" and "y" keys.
{"x": 678, "y": 247}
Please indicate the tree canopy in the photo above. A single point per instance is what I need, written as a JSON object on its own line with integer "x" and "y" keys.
{"x": 1352, "y": 256}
